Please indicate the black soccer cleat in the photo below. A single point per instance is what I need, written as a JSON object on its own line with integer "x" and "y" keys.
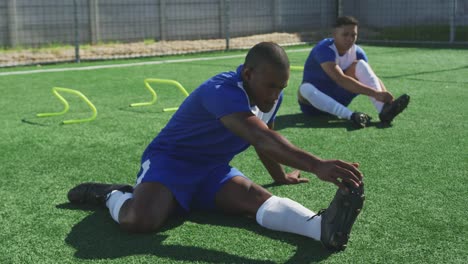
{"x": 391, "y": 110}
{"x": 94, "y": 193}
{"x": 360, "y": 120}
{"x": 339, "y": 217}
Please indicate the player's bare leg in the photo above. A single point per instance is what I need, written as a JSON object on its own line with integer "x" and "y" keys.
{"x": 143, "y": 209}
{"x": 152, "y": 204}
{"x": 241, "y": 196}
{"x": 331, "y": 226}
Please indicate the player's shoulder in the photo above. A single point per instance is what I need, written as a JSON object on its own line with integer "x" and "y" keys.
{"x": 229, "y": 78}
{"x": 324, "y": 51}
{"x": 225, "y": 84}
{"x": 223, "y": 79}
{"x": 325, "y": 46}
{"x": 360, "y": 53}
{"x": 325, "y": 43}
{"x": 359, "y": 49}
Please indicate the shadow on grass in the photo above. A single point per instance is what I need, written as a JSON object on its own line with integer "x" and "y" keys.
{"x": 43, "y": 121}
{"x": 98, "y": 237}
{"x": 50, "y": 121}
{"x": 151, "y": 109}
{"x": 307, "y": 250}
{"x": 35, "y": 122}
{"x": 427, "y": 72}
{"x": 299, "y": 120}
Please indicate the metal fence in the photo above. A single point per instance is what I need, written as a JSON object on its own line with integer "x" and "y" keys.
{"x": 42, "y": 31}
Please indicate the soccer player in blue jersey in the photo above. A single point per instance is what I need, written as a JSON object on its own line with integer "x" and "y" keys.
{"x": 186, "y": 167}
{"x": 336, "y": 71}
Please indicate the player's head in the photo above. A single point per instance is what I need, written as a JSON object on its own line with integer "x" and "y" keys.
{"x": 265, "y": 74}
{"x": 345, "y": 32}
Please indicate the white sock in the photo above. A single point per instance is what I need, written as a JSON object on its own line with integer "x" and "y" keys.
{"x": 283, "y": 214}
{"x": 366, "y": 75}
{"x": 114, "y": 202}
{"x": 324, "y": 102}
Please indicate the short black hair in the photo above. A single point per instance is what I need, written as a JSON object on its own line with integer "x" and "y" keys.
{"x": 345, "y": 20}
{"x": 267, "y": 52}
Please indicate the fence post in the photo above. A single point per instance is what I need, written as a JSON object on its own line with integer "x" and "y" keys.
{"x": 276, "y": 15}
{"x": 339, "y": 8}
{"x": 222, "y": 19}
{"x": 94, "y": 21}
{"x": 77, "y": 34}
{"x": 452, "y": 13}
{"x": 323, "y": 19}
{"x": 227, "y": 24}
{"x": 162, "y": 19}
{"x": 12, "y": 25}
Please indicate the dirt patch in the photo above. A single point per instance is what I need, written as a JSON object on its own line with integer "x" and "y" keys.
{"x": 134, "y": 50}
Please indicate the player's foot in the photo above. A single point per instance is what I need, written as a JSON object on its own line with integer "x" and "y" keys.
{"x": 339, "y": 217}
{"x": 391, "y": 110}
{"x": 360, "y": 120}
{"x": 94, "y": 193}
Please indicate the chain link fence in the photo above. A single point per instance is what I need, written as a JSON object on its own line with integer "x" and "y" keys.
{"x": 48, "y": 31}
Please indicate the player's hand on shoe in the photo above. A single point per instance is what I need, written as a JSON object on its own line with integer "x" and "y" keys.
{"x": 384, "y": 97}
{"x": 292, "y": 178}
{"x": 338, "y": 172}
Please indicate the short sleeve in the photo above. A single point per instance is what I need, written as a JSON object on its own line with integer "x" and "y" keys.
{"x": 323, "y": 54}
{"x": 224, "y": 99}
{"x": 360, "y": 54}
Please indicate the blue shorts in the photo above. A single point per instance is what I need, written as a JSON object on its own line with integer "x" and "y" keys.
{"x": 193, "y": 185}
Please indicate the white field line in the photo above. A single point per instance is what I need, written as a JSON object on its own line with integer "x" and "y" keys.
{"x": 88, "y": 68}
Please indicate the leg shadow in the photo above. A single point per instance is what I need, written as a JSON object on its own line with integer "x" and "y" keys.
{"x": 308, "y": 250}
{"x": 98, "y": 237}
{"x": 300, "y": 120}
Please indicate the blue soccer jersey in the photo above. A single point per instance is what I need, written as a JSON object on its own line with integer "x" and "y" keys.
{"x": 195, "y": 132}
{"x": 325, "y": 51}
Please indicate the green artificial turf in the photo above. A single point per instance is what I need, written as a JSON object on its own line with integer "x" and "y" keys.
{"x": 422, "y": 33}
{"x": 415, "y": 171}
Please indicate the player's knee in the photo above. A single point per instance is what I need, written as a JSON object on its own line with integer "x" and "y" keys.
{"x": 361, "y": 67}
{"x": 351, "y": 70}
{"x": 361, "y": 62}
{"x": 141, "y": 222}
{"x": 308, "y": 91}
{"x": 364, "y": 71}
{"x": 258, "y": 195}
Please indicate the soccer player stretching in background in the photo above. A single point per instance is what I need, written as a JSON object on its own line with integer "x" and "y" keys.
{"x": 336, "y": 71}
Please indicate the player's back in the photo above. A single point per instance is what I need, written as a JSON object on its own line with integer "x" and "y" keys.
{"x": 195, "y": 131}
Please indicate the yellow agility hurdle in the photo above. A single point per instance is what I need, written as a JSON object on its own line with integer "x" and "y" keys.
{"x": 153, "y": 93}
{"x": 55, "y": 91}
{"x": 296, "y": 68}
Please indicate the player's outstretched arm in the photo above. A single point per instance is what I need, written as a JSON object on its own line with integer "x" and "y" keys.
{"x": 276, "y": 170}
{"x": 278, "y": 148}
